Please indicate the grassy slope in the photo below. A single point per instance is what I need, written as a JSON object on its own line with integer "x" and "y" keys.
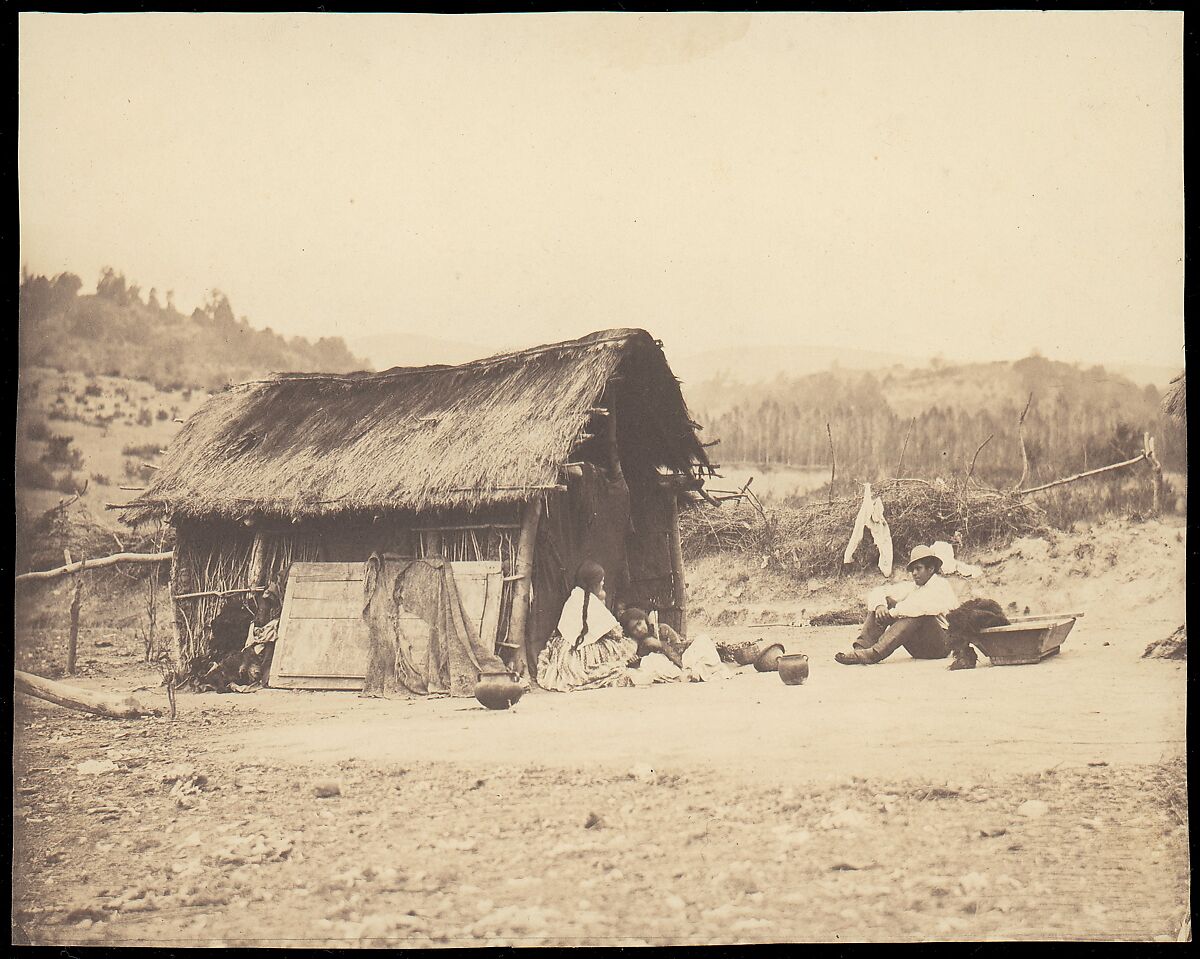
{"x": 100, "y": 445}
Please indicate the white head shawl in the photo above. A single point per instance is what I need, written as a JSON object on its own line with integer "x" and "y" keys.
{"x": 600, "y": 621}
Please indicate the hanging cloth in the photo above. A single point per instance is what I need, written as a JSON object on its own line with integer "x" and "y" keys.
{"x": 870, "y": 517}
{"x": 421, "y": 642}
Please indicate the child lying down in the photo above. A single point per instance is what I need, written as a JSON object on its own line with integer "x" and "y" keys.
{"x": 667, "y": 657}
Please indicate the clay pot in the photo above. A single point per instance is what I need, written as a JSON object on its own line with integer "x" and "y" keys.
{"x": 793, "y": 668}
{"x": 498, "y": 690}
{"x": 768, "y": 662}
{"x": 745, "y": 655}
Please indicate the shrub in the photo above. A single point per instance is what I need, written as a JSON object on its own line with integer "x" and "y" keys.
{"x": 134, "y": 470}
{"x": 37, "y": 430}
{"x": 35, "y": 475}
{"x": 68, "y": 484}
{"x": 145, "y": 449}
{"x": 145, "y": 418}
{"x": 93, "y": 389}
{"x": 162, "y": 414}
{"x": 100, "y": 479}
{"x": 60, "y": 452}
{"x": 187, "y": 395}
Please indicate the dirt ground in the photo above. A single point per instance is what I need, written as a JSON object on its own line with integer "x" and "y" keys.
{"x": 897, "y": 802}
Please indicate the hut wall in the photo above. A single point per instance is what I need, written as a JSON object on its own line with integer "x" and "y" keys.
{"x": 219, "y": 555}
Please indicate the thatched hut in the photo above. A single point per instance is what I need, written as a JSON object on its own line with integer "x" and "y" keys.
{"x": 536, "y": 459}
{"x": 1174, "y": 402}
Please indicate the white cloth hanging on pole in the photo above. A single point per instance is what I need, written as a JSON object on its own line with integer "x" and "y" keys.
{"x": 870, "y": 516}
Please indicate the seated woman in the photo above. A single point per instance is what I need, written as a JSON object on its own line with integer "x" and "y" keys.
{"x": 668, "y": 657}
{"x": 587, "y": 650}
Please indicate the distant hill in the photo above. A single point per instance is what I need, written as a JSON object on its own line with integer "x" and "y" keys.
{"x": 119, "y": 332}
{"x": 1143, "y": 375}
{"x": 759, "y": 363}
{"x": 752, "y": 364}
{"x": 385, "y": 350}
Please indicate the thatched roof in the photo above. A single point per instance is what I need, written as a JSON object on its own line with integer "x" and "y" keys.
{"x": 413, "y": 438}
{"x": 1175, "y": 400}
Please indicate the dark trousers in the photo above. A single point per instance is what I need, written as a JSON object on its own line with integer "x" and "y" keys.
{"x": 921, "y": 636}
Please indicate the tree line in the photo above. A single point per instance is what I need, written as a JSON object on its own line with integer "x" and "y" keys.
{"x": 1076, "y": 420}
{"x": 119, "y": 331}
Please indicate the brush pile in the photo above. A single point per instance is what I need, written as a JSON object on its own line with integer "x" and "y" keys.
{"x": 809, "y": 540}
{"x": 41, "y": 539}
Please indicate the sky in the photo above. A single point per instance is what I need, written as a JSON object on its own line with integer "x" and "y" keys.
{"x": 975, "y": 185}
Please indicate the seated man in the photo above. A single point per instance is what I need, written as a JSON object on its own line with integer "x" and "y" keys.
{"x": 912, "y": 615}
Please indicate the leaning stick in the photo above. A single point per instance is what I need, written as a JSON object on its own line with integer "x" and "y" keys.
{"x": 1078, "y": 476}
{"x": 977, "y": 452}
{"x": 904, "y": 448}
{"x": 220, "y": 592}
{"x": 96, "y": 564}
{"x": 832, "y": 461}
{"x": 101, "y": 704}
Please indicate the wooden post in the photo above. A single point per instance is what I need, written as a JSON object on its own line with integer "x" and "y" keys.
{"x": 614, "y": 454}
{"x": 179, "y": 634}
{"x": 258, "y": 560}
{"x": 1156, "y": 473}
{"x": 519, "y": 618}
{"x": 677, "y": 559}
{"x": 76, "y": 602}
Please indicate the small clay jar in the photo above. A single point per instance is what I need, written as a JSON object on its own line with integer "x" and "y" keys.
{"x": 498, "y": 690}
{"x": 793, "y": 668}
{"x": 768, "y": 662}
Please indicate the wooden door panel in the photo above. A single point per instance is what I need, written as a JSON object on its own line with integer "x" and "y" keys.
{"x": 324, "y": 643}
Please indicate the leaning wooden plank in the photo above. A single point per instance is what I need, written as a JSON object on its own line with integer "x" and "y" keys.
{"x": 96, "y": 564}
{"x": 102, "y": 704}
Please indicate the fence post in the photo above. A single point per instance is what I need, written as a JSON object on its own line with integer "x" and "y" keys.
{"x": 76, "y": 602}
{"x": 1156, "y": 474}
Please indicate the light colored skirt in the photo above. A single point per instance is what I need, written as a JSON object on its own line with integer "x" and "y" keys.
{"x": 701, "y": 663}
{"x": 564, "y": 668}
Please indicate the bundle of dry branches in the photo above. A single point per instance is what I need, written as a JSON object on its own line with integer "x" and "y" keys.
{"x": 809, "y": 540}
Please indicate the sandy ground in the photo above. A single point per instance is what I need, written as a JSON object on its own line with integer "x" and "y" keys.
{"x": 893, "y": 802}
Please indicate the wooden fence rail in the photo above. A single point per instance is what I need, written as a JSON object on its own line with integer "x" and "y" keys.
{"x": 96, "y": 564}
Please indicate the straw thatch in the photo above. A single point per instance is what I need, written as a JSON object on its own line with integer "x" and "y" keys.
{"x": 1175, "y": 400}
{"x": 421, "y": 438}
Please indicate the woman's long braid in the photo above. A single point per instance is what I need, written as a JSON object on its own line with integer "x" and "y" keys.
{"x": 587, "y": 598}
{"x": 589, "y": 577}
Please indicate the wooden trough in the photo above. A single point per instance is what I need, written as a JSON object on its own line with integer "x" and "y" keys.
{"x": 1027, "y": 639}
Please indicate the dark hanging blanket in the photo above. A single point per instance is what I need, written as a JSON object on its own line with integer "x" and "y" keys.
{"x": 591, "y": 521}
{"x": 421, "y": 643}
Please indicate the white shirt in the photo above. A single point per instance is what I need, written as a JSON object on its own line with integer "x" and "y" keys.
{"x": 935, "y": 598}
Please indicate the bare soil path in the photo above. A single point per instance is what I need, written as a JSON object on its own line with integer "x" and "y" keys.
{"x": 895, "y": 802}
